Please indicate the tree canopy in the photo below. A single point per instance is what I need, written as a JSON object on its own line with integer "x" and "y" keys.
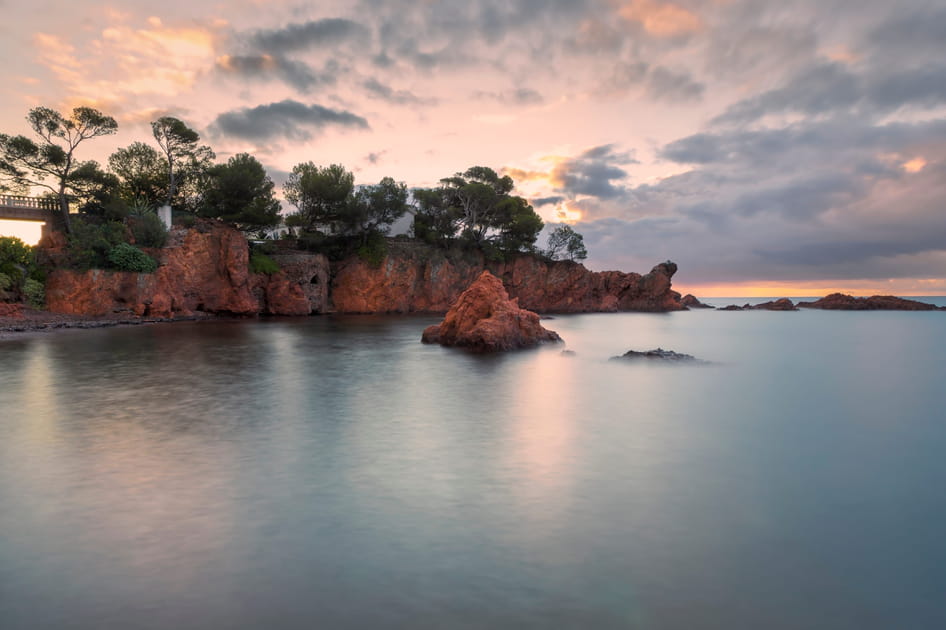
{"x": 51, "y": 162}
{"x": 320, "y": 195}
{"x": 566, "y": 243}
{"x": 142, "y": 176}
{"x": 477, "y": 208}
{"x": 186, "y": 160}
{"x": 241, "y": 193}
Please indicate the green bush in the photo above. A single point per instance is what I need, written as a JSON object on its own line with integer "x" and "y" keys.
{"x": 374, "y": 250}
{"x": 91, "y": 242}
{"x": 127, "y": 257}
{"x": 149, "y": 230}
{"x": 261, "y": 263}
{"x": 34, "y": 292}
{"x": 5, "y": 282}
{"x": 14, "y": 252}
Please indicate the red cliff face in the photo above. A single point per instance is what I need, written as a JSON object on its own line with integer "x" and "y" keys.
{"x": 206, "y": 269}
{"x": 485, "y": 319}
{"x": 415, "y": 281}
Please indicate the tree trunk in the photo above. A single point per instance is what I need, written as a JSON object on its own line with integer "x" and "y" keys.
{"x": 64, "y": 209}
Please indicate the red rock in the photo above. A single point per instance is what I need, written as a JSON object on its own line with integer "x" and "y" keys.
{"x": 690, "y": 301}
{"x": 843, "y": 302}
{"x": 782, "y": 304}
{"x": 13, "y": 311}
{"x": 204, "y": 269}
{"x": 284, "y": 297}
{"x": 415, "y": 278}
{"x": 485, "y": 319}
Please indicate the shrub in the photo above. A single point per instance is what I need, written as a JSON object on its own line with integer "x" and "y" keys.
{"x": 127, "y": 257}
{"x": 14, "y": 252}
{"x": 91, "y": 243}
{"x": 5, "y": 282}
{"x": 261, "y": 263}
{"x": 149, "y": 230}
{"x": 374, "y": 250}
{"x": 35, "y": 293}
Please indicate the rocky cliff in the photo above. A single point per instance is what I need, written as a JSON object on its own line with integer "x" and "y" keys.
{"x": 417, "y": 279}
{"x": 206, "y": 269}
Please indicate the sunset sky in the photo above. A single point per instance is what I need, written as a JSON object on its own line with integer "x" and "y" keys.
{"x": 768, "y": 148}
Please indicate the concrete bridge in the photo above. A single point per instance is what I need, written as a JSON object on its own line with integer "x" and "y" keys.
{"x": 22, "y": 208}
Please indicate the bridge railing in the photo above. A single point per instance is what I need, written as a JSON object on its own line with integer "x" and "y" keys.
{"x": 22, "y": 201}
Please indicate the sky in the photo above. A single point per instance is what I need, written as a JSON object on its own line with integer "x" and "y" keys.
{"x": 768, "y": 148}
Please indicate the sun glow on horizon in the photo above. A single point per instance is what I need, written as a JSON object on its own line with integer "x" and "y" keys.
{"x": 27, "y": 231}
{"x": 903, "y": 287}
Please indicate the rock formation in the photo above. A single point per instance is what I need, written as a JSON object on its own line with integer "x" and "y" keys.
{"x": 842, "y": 302}
{"x": 485, "y": 319}
{"x": 416, "y": 278}
{"x": 690, "y": 301}
{"x": 657, "y": 355}
{"x": 782, "y": 304}
{"x": 205, "y": 269}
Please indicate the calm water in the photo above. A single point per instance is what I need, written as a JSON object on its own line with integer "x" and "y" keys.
{"x": 336, "y": 473}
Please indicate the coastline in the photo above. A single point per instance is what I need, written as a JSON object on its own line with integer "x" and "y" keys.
{"x": 34, "y": 321}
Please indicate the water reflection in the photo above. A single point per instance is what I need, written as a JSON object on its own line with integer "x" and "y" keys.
{"x": 336, "y": 471}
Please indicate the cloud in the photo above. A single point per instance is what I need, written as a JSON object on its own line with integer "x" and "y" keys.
{"x": 379, "y": 90}
{"x": 264, "y": 66}
{"x": 595, "y": 172}
{"x": 518, "y": 96}
{"x": 286, "y": 119}
{"x": 834, "y": 200}
{"x": 675, "y": 86}
{"x": 832, "y": 87}
{"x": 305, "y": 35}
{"x": 661, "y": 19}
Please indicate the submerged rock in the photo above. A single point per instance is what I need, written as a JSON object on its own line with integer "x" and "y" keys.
{"x": 659, "y": 355}
{"x": 485, "y": 319}
{"x": 843, "y": 302}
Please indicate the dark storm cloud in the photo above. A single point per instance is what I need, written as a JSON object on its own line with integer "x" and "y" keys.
{"x": 379, "y": 90}
{"x": 263, "y": 67}
{"x": 306, "y": 35}
{"x": 286, "y": 119}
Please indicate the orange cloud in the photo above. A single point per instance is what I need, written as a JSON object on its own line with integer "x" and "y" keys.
{"x": 661, "y": 19}
{"x": 915, "y": 165}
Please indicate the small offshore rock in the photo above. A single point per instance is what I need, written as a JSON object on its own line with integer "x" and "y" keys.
{"x": 844, "y": 302}
{"x": 485, "y": 319}
{"x": 690, "y": 301}
{"x": 783, "y": 304}
{"x": 568, "y": 353}
{"x": 658, "y": 354}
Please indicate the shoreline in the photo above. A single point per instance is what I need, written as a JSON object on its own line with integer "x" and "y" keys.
{"x": 35, "y": 321}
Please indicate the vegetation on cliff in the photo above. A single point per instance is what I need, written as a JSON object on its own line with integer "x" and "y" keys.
{"x": 470, "y": 216}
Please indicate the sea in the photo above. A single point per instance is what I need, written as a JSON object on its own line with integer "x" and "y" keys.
{"x": 335, "y": 472}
